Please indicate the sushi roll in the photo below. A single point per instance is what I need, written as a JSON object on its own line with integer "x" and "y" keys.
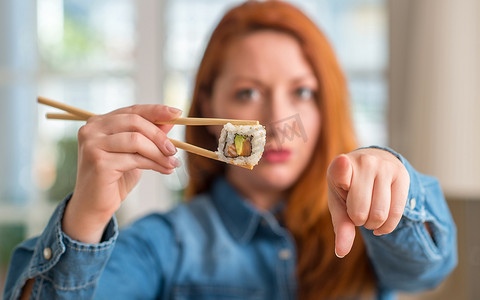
{"x": 241, "y": 144}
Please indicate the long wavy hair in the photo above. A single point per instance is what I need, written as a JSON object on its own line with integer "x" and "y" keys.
{"x": 320, "y": 274}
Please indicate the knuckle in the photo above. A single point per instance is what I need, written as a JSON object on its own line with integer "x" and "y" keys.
{"x": 99, "y": 165}
{"x": 134, "y": 120}
{"x": 159, "y": 136}
{"x": 376, "y": 219}
{"x": 378, "y": 216}
{"x": 368, "y": 161}
{"x": 397, "y": 211}
{"x": 134, "y": 108}
{"x": 358, "y": 217}
{"x": 134, "y": 139}
{"x": 94, "y": 154}
{"x": 95, "y": 158}
{"x": 392, "y": 169}
{"x": 83, "y": 133}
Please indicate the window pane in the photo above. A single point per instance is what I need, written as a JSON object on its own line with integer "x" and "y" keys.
{"x": 369, "y": 108}
{"x": 87, "y": 60}
{"x": 86, "y": 35}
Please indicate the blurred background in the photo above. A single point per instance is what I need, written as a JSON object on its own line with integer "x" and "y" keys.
{"x": 413, "y": 68}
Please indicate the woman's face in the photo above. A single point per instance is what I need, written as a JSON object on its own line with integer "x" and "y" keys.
{"x": 266, "y": 77}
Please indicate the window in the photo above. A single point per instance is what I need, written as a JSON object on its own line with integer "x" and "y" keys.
{"x": 86, "y": 59}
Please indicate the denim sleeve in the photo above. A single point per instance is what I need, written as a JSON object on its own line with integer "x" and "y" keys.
{"x": 410, "y": 258}
{"x": 135, "y": 263}
{"x": 62, "y": 268}
{"x": 143, "y": 263}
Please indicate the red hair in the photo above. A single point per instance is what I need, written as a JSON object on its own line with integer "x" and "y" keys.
{"x": 321, "y": 275}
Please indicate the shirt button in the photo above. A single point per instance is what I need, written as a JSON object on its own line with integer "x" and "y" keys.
{"x": 413, "y": 203}
{"x": 284, "y": 254}
{"x": 47, "y": 253}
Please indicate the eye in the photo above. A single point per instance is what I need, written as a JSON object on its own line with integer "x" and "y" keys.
{"x": 247, "y": 94}
{"x": 304, "y": 93}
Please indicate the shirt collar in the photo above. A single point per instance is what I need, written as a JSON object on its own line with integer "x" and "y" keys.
{"x": 240, "y": 218}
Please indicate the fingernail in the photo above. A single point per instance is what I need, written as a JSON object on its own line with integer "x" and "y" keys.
{"x": 339, "y": 256}
{"x": 170, "y": 147}
{"x": 175, "y": 162}
{"x": 174, "y": 110}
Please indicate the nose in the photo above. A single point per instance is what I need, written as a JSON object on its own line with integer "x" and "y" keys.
{"x": 278, "y": 110}
{"x": 279, "y": 106}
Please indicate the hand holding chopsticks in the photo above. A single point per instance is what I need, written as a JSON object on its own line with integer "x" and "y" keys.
{"x": 73, "y": 113}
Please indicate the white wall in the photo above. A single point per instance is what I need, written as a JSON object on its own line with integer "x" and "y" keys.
{"x": 435, "y": 90}
{"x": 435, "y": 116}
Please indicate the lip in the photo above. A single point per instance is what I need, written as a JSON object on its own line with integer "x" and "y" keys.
{"x": 277, "y": 155}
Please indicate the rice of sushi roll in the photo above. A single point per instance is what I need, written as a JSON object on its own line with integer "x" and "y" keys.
{"x": 241, "y": 144}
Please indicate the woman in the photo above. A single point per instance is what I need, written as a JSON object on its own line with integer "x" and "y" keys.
{"x": 269, "y": 233}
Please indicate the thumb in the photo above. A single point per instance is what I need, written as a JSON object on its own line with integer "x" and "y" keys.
{"x": 339, "y": 177}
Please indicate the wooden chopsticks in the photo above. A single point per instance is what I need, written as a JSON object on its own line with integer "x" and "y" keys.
{"x": 208, "y": 121}
{"x": 74, "y": 113}
{"x": 77, "y": 114}
{"x": 64, "y": 116}
{"x": 178, "y": 121}
{"x": 70, "y": 109}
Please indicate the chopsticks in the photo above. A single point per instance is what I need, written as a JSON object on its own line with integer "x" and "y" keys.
{"x": 77, "y": 114}
{"x": 83, "y": 115}
{"x": 72, "y": 110}
{"x": 178, "y": 121}
{"x": 207, "y": 121}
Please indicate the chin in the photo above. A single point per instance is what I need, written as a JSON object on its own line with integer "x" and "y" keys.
{"x": 278, "y": 177}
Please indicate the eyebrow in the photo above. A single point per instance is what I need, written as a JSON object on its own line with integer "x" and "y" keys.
{"x": 305, "y": 77}
{"x": 259, "y": 82}
{"x": 246, "y": 78}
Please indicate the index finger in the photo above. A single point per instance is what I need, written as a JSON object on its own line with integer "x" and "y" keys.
{"x": 342, "y": 224}
{"x": 150, "y": 112}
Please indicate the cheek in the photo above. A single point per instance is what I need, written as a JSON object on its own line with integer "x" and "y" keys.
{"x": 311, "y": 121}
{"x": 311, "y": 124}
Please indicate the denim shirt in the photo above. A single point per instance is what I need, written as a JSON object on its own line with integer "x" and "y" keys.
{"x": 218, "y": 246}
